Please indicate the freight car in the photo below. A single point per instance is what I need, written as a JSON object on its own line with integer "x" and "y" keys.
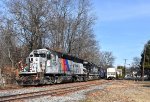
{"x": 44, "y": 66}
{"x": 111, "y": 73}
{"x": 102, "y": 73}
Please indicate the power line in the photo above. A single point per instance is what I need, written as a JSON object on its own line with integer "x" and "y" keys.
{"x": 125, "y": 60}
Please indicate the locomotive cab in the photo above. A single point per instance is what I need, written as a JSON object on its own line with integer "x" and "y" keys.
{"x": 36, "y": 61}
{"x": 33, "y": 71}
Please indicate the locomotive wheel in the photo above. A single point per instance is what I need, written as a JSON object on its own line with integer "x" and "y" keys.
{"x": 74, "y": 79}
{"x": 80, "y": 79}
{"x": 85, "y": 78}
{"x": 45, "y": 81}
{"x": 52, "y": 80}
{"x": 59, "y": 80}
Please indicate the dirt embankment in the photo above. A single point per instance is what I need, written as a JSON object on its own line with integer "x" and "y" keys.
{"x": 122, "y": 91}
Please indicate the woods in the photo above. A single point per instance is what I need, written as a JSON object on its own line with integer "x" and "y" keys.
{"x": 57, "y": 24}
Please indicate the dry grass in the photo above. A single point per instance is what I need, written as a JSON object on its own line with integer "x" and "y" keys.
{"x": 10, "y": 86}
{"x": 121, "y": 91}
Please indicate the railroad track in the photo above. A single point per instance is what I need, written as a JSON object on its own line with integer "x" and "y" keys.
{"x": 51, "y": 92}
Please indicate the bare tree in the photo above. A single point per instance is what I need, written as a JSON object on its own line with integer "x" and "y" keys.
{"x": 106, "y": 59}
{"x": 8, "y": 43}
{"x": 31, "y": 19}
{"x": 136, "y": 62}
{"x": 135, "y": 66}
{"x": 71, "y": 32}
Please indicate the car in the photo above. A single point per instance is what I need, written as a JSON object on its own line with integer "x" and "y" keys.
{"x": 128, "y": 77}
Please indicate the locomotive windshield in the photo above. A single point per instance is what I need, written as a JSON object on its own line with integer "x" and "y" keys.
{"x": 40, "y": 55}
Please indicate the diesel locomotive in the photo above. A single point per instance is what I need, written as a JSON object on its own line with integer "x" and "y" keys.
{"x": 45, "y": 66}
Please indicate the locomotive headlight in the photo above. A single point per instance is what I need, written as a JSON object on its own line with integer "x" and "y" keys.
{"x": 85, "y": 62}
{"x": 36, "y": 77}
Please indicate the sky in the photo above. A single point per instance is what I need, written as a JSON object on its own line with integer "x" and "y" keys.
{"x": 122, "y": 27}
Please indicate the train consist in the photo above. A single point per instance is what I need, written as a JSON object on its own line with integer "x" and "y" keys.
{"x": 44, "y": 66}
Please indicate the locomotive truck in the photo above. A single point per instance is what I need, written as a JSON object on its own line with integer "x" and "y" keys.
{"x": 45, "y": 66}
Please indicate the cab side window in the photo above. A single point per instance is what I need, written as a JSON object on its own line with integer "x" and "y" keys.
{"x": 48, "y": 56}
{"x": 43, "y": 55}
{"x": 53, "y": 57}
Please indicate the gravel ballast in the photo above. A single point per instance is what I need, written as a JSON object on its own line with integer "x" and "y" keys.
{"x": 75, "y": 96}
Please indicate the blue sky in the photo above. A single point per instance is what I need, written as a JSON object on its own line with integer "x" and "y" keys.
{"x": 122, "y": 27}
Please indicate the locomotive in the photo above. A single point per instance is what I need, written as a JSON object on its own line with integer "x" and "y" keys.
{"x": 45, "y": 66}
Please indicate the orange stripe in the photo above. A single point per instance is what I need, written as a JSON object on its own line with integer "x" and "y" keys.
{"x": 62, "y": 65}
{"x": 65, "y": 66}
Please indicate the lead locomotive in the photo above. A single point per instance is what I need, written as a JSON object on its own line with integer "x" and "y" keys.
{"x": 45, "y": 66}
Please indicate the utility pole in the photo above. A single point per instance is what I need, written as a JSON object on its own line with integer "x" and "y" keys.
{"x": 125, "y": 60}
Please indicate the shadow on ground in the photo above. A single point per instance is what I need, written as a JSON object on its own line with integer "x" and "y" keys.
{"x": 146, "y": 86}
